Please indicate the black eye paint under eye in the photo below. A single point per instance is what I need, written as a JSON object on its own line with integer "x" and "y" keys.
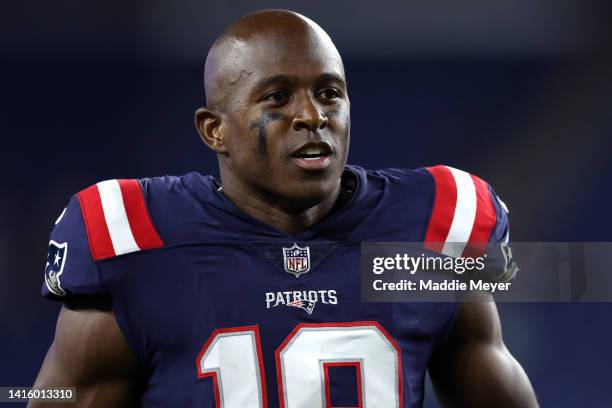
{"x": 262, "y": 125}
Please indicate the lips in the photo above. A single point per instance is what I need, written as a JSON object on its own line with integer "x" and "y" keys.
{"x": 312, "y": 156}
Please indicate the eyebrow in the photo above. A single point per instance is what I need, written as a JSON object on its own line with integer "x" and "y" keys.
{"x": 287, "y": 79}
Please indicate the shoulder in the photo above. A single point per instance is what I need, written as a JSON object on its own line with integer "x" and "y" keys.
{"x": 462, "y": 207}
{"x": 392, "y": 176}
{"x": 117, "y": 219}
{"x": 440, "y": 177}
{"x": 129, "y": 215}
{"x": 112, "y": 218}
{"x": 439, "y": 181}
{"x": 466, "y": 211}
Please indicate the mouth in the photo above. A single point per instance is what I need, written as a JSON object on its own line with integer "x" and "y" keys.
{"x": 313, "y": 156}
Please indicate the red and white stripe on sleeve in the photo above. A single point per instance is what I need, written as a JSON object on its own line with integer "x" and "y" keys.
{"x": 463, "y": 213}
{"x": 117, "y": 219}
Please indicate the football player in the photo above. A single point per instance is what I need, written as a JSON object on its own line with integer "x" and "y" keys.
{"x": 245, "y": 292}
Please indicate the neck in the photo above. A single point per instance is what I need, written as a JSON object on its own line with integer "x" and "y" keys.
{"x": 288, "y": 216}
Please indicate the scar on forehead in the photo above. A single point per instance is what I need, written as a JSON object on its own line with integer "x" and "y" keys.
{"x": 241, "y": 74}
{"x": 262, "y": 134}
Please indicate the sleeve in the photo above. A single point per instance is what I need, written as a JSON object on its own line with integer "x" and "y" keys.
{"x": 469, "y": 220}
{"x": 465, "y": 216}
{"x": 104, "y": 221}
{"x": 70, "y": 268}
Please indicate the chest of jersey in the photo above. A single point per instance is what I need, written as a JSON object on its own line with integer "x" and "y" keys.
{"x": 224, "y": 311}
{"x": 271, "y": 324}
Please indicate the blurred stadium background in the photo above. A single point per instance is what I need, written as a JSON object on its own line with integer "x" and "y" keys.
{"x": 517, "y": 92}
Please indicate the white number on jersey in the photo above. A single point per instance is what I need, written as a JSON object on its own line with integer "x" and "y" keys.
{"x": 232, "y": 357}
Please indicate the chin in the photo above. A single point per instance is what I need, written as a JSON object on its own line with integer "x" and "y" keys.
{"x": 310, "y": 193}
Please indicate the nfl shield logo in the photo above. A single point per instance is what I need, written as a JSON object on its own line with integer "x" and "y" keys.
{"x": 56, "y": 259}
{"x": 297, "y": 260}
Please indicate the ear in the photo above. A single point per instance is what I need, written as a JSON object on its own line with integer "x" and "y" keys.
{"x": 208, "y": 124}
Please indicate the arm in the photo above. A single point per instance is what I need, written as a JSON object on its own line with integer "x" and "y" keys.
{"x": 90, "y": 353}
{"x": 473, "y": 367}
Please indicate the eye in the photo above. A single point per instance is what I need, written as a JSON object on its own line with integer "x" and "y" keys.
{"x": 330, "y": 94}
{"x": 277, "y": 97}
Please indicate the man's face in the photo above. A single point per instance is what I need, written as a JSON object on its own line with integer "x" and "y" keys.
{"x": 286, "y": 122}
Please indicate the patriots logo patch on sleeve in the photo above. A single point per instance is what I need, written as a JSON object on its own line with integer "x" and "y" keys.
{"x": 56, "y": 259}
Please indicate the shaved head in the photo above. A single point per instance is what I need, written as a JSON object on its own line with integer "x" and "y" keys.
{"x": 277, "y": 114}
{"x": 238, "y": 51}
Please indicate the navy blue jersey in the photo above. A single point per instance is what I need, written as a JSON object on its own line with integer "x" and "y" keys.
{"x": 223, "y": 310}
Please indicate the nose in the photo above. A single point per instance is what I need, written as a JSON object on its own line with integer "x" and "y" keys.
{"x": 308, "y": 116}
